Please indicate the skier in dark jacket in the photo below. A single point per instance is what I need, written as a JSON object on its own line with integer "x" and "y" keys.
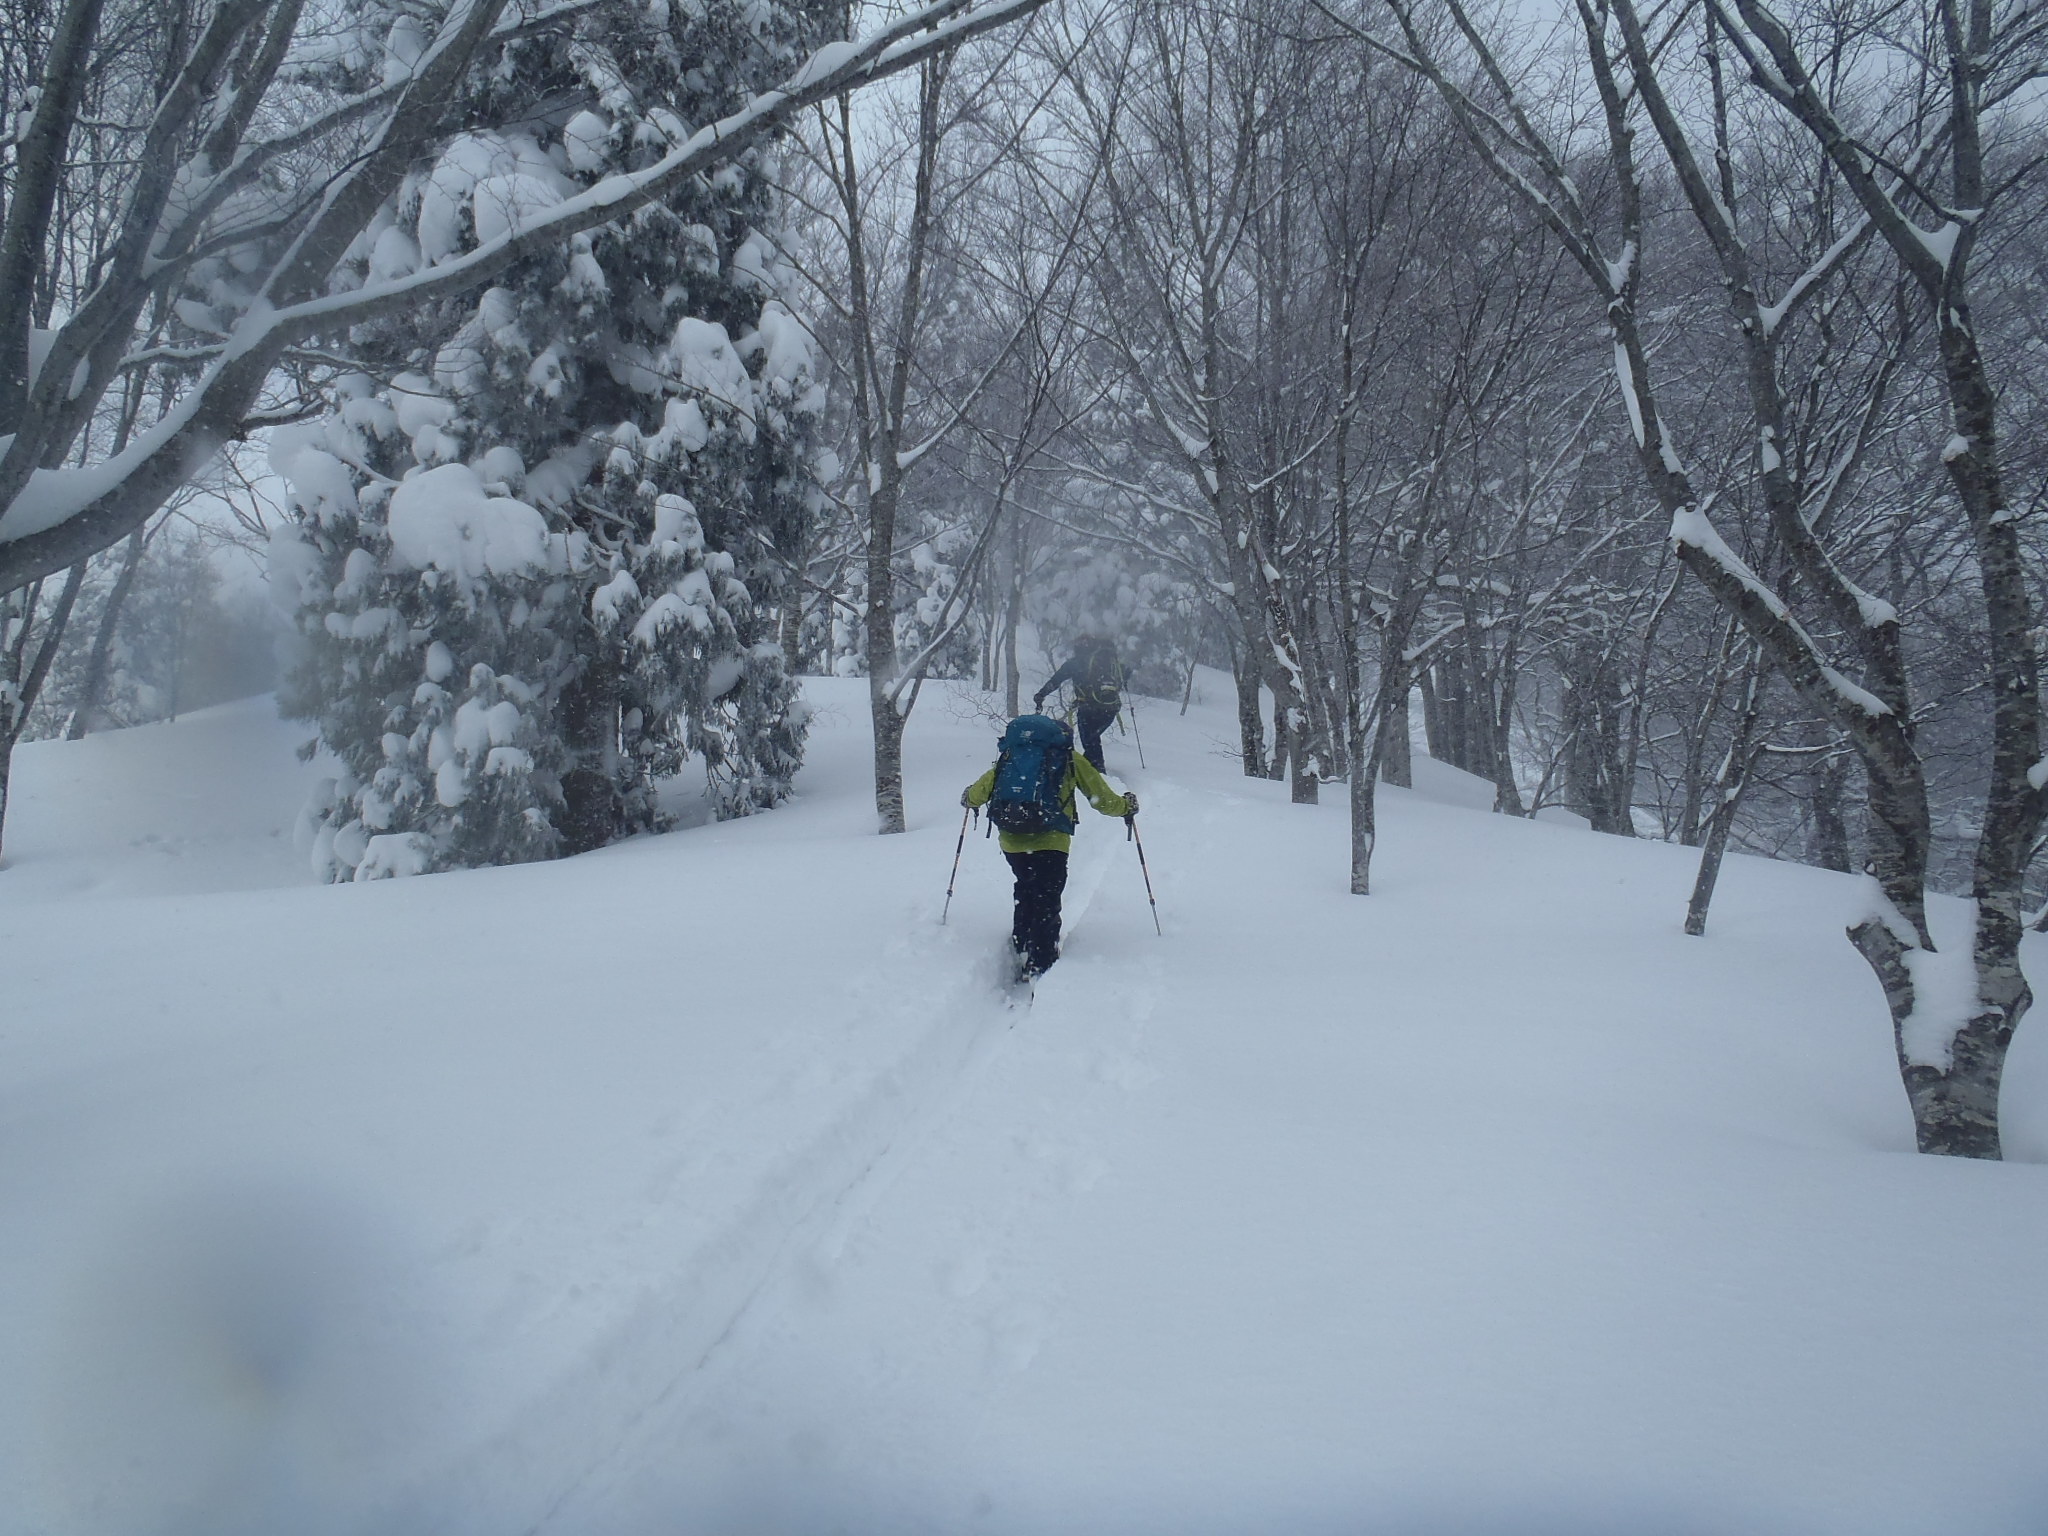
{"x": 1098, "y": 679}
{"x": 1039, "y": 859}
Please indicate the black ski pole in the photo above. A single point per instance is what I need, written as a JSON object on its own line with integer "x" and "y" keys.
{"x": 1131, "y": 830}
{"x": 1137, "y": 735}
{"x": 965, "y": 812}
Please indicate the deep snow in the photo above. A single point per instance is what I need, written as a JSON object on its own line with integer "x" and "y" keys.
{"x": 704, "y": 1185}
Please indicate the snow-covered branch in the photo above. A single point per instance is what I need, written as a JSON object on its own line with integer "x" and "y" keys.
{"x": 53, "y": 517}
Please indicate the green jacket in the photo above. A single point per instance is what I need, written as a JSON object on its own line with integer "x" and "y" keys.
{"x": 1079, "y": 771}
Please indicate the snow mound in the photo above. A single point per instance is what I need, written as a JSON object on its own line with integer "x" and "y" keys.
{"x": 443, "y": 519}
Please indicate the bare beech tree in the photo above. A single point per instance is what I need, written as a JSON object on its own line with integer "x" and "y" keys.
{"x": 1985, "y": 56}
{"x": 902, "y": 235}
{"x": 1187, "y": 104}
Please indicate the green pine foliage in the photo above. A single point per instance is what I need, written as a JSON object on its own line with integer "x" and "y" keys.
{"x": 542, "y": 537}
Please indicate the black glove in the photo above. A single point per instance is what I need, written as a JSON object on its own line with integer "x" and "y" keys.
{"x": 965, "y": 803}
{"x": 1130, "y": 804}
{"x": 1038, "y": 701}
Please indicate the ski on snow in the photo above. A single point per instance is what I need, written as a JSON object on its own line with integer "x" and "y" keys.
{"x": 1017, "y": 988}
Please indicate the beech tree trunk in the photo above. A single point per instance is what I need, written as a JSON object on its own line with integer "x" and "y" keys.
{"x": 1251, "y": 730}
{"x": 1364, "y": 785}
{"x": 1283, "y": 741}
{"x": 1304, "y": 788}
{"x": 1507, "y": 794}
{"x": 1829, "y": 848}
{"x": 1013, "y": 609}
{"x": 888, "y": 728}
{"x": 1394, "y": 742}
{"x": 1729, "y": 784}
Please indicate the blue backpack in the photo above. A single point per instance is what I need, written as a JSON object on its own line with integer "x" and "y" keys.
{"x": 1030, "y": 772}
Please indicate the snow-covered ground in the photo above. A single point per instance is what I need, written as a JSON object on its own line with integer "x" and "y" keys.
{"x": 704, "y": 1185}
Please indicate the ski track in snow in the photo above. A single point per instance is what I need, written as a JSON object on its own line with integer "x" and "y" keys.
{"x": 807, "y": 1207}
{"x": 787, "y": 1249}
{"x": 1070, "y": 1060}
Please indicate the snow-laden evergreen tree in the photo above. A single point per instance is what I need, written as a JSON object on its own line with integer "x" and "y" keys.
{"x": 540, "y": 538}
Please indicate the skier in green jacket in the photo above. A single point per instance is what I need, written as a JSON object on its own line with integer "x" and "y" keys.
{"x": 1039, "y": 860}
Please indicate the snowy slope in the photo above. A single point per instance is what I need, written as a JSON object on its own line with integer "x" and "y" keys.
{"x": 206, "y": 804}
{"x": 702, "y": 1184}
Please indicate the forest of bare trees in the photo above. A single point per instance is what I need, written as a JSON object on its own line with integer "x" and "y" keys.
{"x": 1648, "y": 398}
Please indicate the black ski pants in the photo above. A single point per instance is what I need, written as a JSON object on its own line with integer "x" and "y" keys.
{"x": 1035, "y": 932}
{"x": 1090, "y": 721}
